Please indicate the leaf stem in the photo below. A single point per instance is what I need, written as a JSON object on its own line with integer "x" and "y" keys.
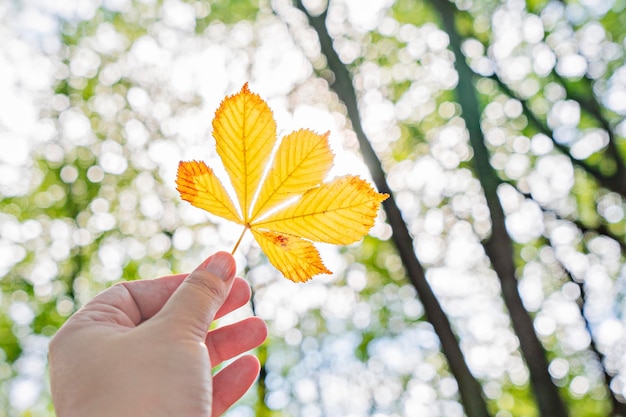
{"x": 239, "y": 240}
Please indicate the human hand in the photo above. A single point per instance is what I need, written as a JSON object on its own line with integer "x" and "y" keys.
{"x": 142, "y": 348}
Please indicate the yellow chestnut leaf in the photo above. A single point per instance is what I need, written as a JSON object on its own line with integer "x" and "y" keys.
{"x": 286, "y": 205}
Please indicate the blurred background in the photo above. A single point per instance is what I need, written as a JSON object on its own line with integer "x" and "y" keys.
{"x": 493, "y": 283}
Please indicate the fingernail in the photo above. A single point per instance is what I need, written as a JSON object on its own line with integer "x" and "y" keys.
{"x": 221, "y": 264}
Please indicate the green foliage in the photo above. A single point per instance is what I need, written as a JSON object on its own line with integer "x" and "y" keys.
{"x": 9, "y": 343}
{"x": 412, "y": 12}
{"x": 227, "y": 11}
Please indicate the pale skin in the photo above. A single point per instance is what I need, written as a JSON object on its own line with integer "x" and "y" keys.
{"x": 141, "y": 348}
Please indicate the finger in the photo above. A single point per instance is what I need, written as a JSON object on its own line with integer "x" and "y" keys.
{"x": 132, "y": 301}
{"x": 149, "y": 296}
{"x": 137, "y": 301}
{"x": 229, "y": 341}
{"x": 231, "y": 383}
{"x": 193, "y": 305}
{"x": 239, "y": 295}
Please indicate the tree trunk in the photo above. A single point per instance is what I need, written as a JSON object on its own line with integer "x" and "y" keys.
{"x": 469, "y": 388}
{"x": 499, "y": 247}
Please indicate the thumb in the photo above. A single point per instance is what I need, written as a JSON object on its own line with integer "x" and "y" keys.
{"x": 194, "y": 303}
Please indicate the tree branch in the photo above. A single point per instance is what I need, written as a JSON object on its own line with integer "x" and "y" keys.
{"x": 614, "y": 183}
{"x": 601, "y": 230}
{"x": 591, "y": 105}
